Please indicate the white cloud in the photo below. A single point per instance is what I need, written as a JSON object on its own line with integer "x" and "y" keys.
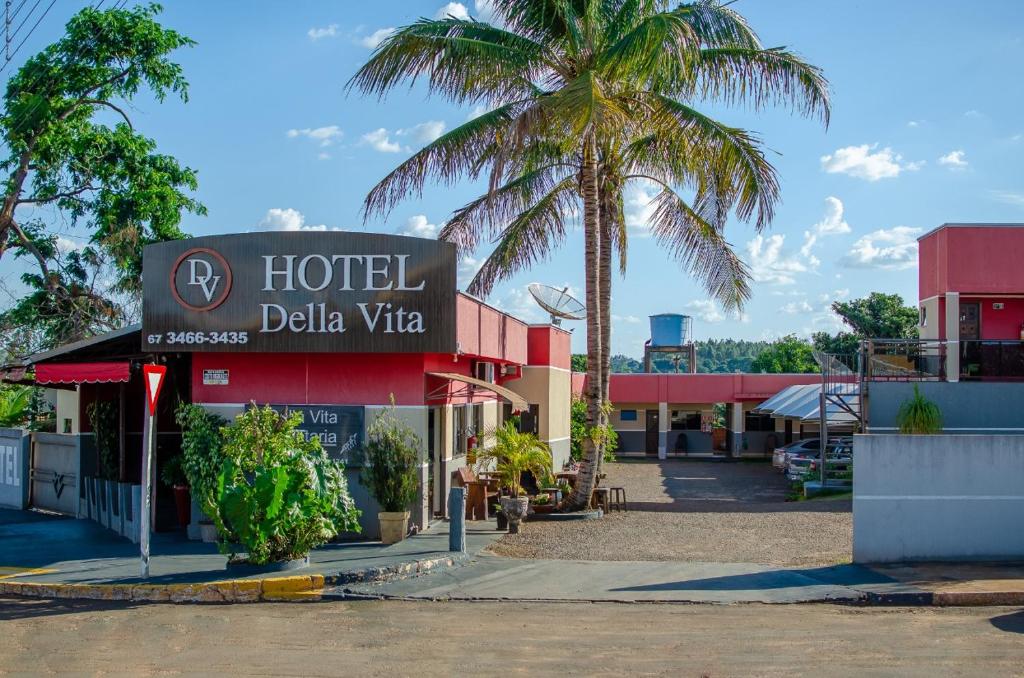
{"x": 640, "y": 207}
{"x": 453, "y": 9}
{"x": 323, "y": 156}
{"x": 705, "y": 310}
{"x": 974, "y": 113}
{"x": 831, "y": 224}
{"x": 914, "y": 123}
{"x": 768, "y": 263}
{"x": 425, "y": 132}
{"x": 374, "y": 39}
{"x": 954, "y": 160}
{"x": 632, "y": 319}
{"x": 325, "y": 136}
{"x": 467, "y": 269}
{"x": 1016, "y": 138}
{"x": 67, "y": 245}
{"x": 1015, "y": 198}
{"x": 794, "y": 307}
{"x": 380, "y": 140}
{"x": 479, "y": 110}
{"x": 894, "y": 249}
{"x": 325, "y": 32}
{"x": 418, "y": 226}
{"x": 288, "y": 219}
{"x": 864, "y": 162}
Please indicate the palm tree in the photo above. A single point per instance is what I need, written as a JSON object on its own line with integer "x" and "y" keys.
{"x": 587, "y": 95}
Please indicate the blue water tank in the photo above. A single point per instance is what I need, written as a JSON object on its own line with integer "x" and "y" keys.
{"x": 670, "y": 329}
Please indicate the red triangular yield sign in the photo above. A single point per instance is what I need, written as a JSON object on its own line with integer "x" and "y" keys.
{"x": 154, "y": 378}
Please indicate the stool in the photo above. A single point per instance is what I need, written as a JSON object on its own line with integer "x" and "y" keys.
{"x": 618, "y": 498}
{"x": 600, "y": 498}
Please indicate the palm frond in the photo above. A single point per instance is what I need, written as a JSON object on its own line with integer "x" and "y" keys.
{"x": 486, "y": 216}
{"x": 651, "y": 48}
{"x": 701, "y": 249}
{"x": 465, "y": 61}
{"x": 453, "y": 155}
{"x": 530, "y": 238}
{"x": 717, "y": 25}
{"x": 759, "y": 77}
{"x": 700, "y": 151}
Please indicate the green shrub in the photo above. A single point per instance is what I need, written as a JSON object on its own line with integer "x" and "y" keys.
{"x": 391, "y": 462}
{"x": 279, "y": 494}
{"x": 15, "y": 405}
{"x": 578, "y": 432}
{"x": 201, "y": 453}
{"x": 918, "y": 415}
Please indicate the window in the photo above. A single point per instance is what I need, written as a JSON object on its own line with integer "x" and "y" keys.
{"x": 627, "y": 415}
{"x": 924, "y": 316}
{"x": 758, "y": 422}
{"x": 685, "y": 420}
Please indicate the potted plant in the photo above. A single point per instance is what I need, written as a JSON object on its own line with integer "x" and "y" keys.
{"x": 173, "y": 476}
{"x": 499, "y": 517}
{"x": 278, "y": 494}
{"x": 513, "y": 454}
{"x": 918, "y": 415}
{"x": 390, "y": 471}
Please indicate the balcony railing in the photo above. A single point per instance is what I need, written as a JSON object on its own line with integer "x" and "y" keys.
{"x": 926, "y": 360}
{"x": 983, "y": 359}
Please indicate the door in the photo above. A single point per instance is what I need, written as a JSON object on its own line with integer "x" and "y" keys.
{"x": 652, "y": 432}
{"x": 970, "y": 332}
{"x": 789, "y": 431}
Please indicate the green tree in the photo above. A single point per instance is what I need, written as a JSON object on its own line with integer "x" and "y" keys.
{"x": 587, "y": 96}
{"x": 65, "y": 155}
{"x": 789, "y": 355}
{"x": 879, "y": 315}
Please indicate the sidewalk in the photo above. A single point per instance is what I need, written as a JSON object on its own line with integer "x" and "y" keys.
{"x": 50, "y": 550}
{"x": 494, "y": 578}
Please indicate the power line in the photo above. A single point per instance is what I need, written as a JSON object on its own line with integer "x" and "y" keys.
{"x": 31, "y": 31}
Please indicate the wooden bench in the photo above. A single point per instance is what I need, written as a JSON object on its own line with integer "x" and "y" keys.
{"x": 479, "y": 492}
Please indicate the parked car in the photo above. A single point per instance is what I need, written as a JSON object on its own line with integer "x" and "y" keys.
{"x": 838, "y": 455}
{"x": 779, "y": 455}
{"x": 808, "y": 447}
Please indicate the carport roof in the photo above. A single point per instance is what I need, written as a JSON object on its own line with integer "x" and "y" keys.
{"x": 784, "y": 398}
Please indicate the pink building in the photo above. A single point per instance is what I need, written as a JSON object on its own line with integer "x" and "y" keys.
{"x": 971, "y": 295}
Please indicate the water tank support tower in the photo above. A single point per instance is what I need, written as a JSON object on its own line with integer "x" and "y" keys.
{"x": 671, "y": 336}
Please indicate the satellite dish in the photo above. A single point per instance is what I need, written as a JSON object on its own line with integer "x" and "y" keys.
{"x": 558, "y": 302}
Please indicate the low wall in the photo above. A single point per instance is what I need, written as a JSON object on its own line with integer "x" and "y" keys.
{"x": 966, "y": 406}
{"x": 14, "y": 474}
{"x": 944, "y": 497}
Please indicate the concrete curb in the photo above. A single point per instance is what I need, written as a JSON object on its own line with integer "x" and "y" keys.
{"x": 305, "y": 587}
{"x": 267, "y": 589}
{"x": 947, "y": 599}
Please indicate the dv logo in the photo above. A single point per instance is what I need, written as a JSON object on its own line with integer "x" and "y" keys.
{"x": 200, "y": 279}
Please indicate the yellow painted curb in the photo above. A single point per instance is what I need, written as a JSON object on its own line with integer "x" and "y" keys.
{"x": 305, "y": 587}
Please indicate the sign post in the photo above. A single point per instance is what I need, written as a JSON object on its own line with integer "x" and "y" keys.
{"x": 153, "y": 376}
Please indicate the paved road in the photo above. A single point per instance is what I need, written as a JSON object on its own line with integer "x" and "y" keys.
{"x": 427, "y": 639}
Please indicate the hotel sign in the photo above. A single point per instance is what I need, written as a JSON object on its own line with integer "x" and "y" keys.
{"x": 308, "y": 291}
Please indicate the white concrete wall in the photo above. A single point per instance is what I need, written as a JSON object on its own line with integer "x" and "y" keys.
{"x": 944, "y": 497}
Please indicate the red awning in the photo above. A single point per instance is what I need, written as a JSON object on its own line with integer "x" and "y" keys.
{"x": 82, "y": 373}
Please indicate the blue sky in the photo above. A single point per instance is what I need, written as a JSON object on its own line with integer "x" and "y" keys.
{"x": 926, "y": 128}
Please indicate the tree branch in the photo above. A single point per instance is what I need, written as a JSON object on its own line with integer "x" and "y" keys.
{"x": 58, "y": 196}
{"x": 101, "y": 102}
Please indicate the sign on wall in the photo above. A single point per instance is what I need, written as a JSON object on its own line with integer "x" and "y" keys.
{"x": 302, "y": 291}
{"x": 216, "y": 377}
{"x": 339, "y": 428}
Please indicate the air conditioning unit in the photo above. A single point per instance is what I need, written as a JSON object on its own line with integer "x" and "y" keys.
{"x": 509, "y": 370}
{"x": 485, "y": 372}
{"x": 998, "y": 305}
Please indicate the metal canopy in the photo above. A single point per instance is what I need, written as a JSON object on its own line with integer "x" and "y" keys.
{"x": 472, "y": 384}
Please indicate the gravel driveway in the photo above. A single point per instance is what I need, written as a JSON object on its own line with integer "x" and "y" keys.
{"x": 703, "y": 511}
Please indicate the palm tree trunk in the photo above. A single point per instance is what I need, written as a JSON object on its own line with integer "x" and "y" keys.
{"x": 579, "y": 498}
{"x": 605, "y": 283}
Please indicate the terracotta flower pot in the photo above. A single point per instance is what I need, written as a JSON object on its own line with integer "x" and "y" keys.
{"x": 394, "y": 525}
{"x": 515, "y": 508}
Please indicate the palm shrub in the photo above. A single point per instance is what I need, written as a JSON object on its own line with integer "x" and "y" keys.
{"x": 201, "y": 452}
{"x": 579, "y": 431}
{"x": 279, "y": 494}
{"x": 392, "y": 457}
{"x": 918, "y": 415}
{"x": 513, "y": 454}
